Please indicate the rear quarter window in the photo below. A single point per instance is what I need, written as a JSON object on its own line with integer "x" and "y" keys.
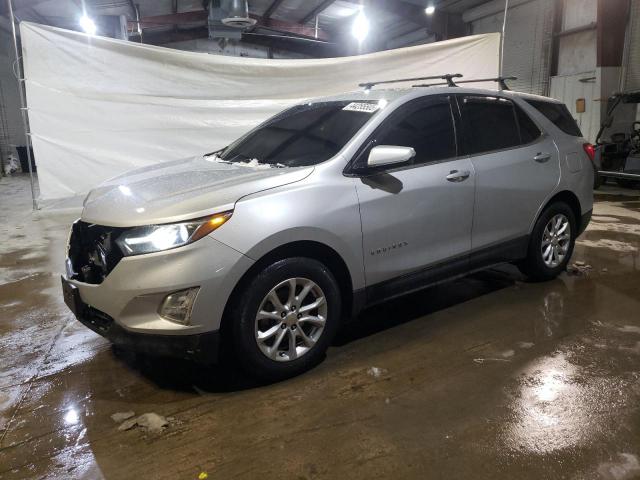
{"x": 558, "y": 114}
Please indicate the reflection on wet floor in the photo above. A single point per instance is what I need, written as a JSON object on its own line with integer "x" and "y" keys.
{"x": 484, "y": 377}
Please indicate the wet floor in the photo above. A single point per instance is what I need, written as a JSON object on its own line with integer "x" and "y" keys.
{"x": 486, "y": 377}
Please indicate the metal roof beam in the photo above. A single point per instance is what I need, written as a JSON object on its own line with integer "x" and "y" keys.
{"x": 316, "y": 11}
{"x": 271, "y": 9}
{"x": 440, "y": 23}
{"x": 198, "y": 17}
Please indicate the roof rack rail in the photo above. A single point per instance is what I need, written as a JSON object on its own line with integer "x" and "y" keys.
{"x": 448, "y": 77}
{"x": 501, "y": 81}
{"x": 431, "y": 84}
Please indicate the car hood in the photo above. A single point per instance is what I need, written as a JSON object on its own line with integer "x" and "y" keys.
{"x": 181, "y": 190}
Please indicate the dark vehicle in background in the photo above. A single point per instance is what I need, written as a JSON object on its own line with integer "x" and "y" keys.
{"x": 618, "y": 157}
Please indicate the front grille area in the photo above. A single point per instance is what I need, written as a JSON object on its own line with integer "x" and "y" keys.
{"x": 93, "y": 252}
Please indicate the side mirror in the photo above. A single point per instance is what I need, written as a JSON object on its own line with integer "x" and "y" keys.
{"x": 389, "y": 155}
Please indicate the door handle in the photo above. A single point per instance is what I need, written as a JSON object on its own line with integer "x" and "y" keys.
{"x": 542, "y": 157}
{"x": 458, "y": 176}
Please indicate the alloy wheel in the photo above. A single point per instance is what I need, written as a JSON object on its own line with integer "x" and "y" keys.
{"x": 290, "y": 319}
{"x": 556, "y": 239}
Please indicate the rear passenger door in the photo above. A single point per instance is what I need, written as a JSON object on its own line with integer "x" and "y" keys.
{"x": 516, "y": 167}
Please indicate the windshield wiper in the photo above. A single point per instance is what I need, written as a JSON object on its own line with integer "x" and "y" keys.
{"x": 216, "y": 152}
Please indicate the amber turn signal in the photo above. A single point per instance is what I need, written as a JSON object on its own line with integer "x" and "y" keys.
{"x": 210, "y": 225}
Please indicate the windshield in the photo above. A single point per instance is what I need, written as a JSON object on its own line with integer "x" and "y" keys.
{"x": 302, "y": 135}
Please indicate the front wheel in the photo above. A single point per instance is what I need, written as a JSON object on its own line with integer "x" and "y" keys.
{"x": 551, "y": 243}
{"x": 285, "y": 318}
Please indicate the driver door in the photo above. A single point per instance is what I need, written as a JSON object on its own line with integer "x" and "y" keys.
{"x": 417, "y": 216}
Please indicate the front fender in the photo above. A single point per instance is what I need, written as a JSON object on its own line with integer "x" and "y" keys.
{"x": 322, "y": 211}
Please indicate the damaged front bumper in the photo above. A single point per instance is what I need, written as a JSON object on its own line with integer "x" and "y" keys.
{"x": 202, "y": 348}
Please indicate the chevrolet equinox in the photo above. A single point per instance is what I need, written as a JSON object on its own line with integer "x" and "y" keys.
{"x": 331, "y": 206}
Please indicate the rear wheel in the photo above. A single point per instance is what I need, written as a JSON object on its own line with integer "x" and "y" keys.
{"x": 285, "y": 318}
{"x": 551, "y": 243}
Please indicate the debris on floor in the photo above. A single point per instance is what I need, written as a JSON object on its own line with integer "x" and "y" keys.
{"x": 121, "y": 416}
{"x": 376, "y": 372}
{"x": 579, "y": 269}
{"x": 482, "y": 360}
{"x": 11, "y": 166}
{"x": 525, "y": 344}
{"x": 150, "y": 422}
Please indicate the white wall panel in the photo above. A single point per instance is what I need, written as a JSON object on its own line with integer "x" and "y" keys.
{"x": 570, "y": 88}
{"x": 577, "y": 53}
{"x": 91, "y": 121}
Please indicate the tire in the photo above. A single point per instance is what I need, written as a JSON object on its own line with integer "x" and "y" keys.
{"x": 264, "y": 359}
{"x": 536, "y": 266}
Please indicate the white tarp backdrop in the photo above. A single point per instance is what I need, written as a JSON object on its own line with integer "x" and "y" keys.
{"x": 99, "y": 106}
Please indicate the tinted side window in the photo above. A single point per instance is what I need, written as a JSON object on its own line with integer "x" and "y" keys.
{"x": 489, "y": 123}
{"x": 428, "y": 129}
{"x": 529, "y": 131}
{"x": 558, "y": 114}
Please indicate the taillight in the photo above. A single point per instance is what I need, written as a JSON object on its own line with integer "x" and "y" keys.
{"x": 590, "y": 150}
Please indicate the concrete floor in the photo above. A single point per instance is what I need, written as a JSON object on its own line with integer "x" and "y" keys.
{"x": 487, "y": 377}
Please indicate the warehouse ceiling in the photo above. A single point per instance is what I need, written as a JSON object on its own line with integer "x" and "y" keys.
{"x": 315, "y": 27}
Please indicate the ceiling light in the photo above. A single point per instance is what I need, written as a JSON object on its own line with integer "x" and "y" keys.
{"x": 360, "y": 27}
{"x": 429, "y": 10}
{"x": 88, "y": 25}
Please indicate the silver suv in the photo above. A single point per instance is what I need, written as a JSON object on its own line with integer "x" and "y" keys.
{"x": 266, "y": 246}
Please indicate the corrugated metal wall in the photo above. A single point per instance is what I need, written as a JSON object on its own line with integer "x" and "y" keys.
{"x": 527, "y": 50}
{"x": 632, "y": 67}
{"x": 11, "y": 132}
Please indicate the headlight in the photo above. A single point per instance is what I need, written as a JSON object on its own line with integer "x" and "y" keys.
{"x": 155, "y": 238}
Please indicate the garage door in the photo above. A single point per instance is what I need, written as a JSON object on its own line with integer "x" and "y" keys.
{"x": 527, "y": 49}
{"x": 632, "y": 74}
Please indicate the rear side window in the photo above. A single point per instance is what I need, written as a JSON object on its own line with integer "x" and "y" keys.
{"x": 559, "y": 115}
{"x": 488, "y": 123}
{"x": 427, "y": 128}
